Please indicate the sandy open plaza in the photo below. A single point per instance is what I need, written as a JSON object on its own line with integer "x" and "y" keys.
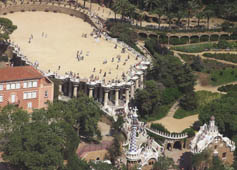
{"x": 62, "y": 43}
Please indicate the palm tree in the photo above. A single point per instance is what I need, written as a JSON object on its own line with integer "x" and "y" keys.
{"x": 199, "y": 17}
{"x": 192, "y": 5}
{"x": 208, "y": 13}
{"x": 141, "y": 18}
{"x": 120, "y": 7}
{"x": 149, "y": 4}
{"x": 159, "y": 11}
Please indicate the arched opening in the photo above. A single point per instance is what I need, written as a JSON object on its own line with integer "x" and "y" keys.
{"x": 142, "y": 35}
{"x": 169, "y": 147}
{"x": 214, "y": 37}
{"x": 174, "y": 40}
{"x": 194, "y": 39}
{"x": 151, "y": 161}
{"x": 224, "y": 37}
{"x": 204, "y": 38}
{"x": 184, "y": 40}
{"x": 153, "y": 36}
{"x": 178, "y": 145}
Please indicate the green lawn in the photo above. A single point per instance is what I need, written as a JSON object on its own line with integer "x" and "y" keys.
{"x": 223, "y": 76}
{"x": 194, "y": 48}
{"x": 203, "y": 98}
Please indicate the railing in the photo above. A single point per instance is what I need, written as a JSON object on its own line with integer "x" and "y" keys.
{"x": 168, "y": 135}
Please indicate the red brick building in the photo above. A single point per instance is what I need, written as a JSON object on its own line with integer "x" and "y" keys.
{"x": 25, "y": 87}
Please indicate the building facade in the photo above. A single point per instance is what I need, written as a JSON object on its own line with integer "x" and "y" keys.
{"x": 208, "y": 137}
{"x": 25, "y": 87}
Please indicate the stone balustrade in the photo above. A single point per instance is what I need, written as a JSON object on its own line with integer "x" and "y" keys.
{"x": 168, "y": 135}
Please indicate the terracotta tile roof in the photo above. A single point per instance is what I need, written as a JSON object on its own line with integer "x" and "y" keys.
{"x": 19, "y": 73}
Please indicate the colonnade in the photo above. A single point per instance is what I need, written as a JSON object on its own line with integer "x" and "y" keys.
{"x": 115, "y": 94}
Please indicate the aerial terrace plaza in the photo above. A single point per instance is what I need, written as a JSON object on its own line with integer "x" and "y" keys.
{"x": 83, "y": 56}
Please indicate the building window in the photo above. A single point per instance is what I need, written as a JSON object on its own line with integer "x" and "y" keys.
{"x": 18, "y": 85}
{"x": 1, "y": 86}
{"x": 13, "y": 86}
{"x": 224, "y": 155}
{"x": 8, "y": 86}
{"x": 215, "y": 146}
{"x": 29, "y": 84}
{"x": 29, "y": 95}
{"x": 25, "y": 85}
{"x": 33, "y": 95}
{"x": 29, "y": 105}
{"x": 13, "y": 98}
{"x": 1, "y": 98}
{"x": 34, "y": 83}
{"x": 46, "y": 93}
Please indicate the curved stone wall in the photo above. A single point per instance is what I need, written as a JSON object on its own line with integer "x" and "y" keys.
{"x": 47, "y": 7}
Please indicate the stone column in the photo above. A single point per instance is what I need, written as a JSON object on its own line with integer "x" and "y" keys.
{"x": 116, "y": 97}
{"x": 91, "y": 92}
{"x": 127, "y": 95}
{"x": 132, "y": 91}
{"x": 101, "y": 94}
{"x": 95, "y": 93}
{"x": 60, "y": 89}
{"x": 141, "y": 81}
{"x": 70, "y": 89}
{"x": 75, "y": 90}
{"x": 136, "y": 83}
{"x": 106, "y": 94}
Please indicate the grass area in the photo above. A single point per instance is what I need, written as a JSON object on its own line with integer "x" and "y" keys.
{"x": 194, "y": 48}
{"x": 223, "y": 76}
{"x": 203, "y": 98}
{"x": 222, "y": 56}
{"x": 187, "y": 58}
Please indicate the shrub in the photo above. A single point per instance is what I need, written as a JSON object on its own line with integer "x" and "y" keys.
{"x": 228, "y": 88}
{"x": 189, "y": 131}
{"x": 196, "y": 125}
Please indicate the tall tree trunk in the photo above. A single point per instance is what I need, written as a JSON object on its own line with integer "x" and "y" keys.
{"x": 84, "y": 3}
{"x": 159, "y": 21}
{"x": 208, "y": 20}
{"x": 188, "y": 19}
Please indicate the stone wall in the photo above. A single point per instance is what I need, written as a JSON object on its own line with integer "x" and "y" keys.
{"x": 221, "y": 148}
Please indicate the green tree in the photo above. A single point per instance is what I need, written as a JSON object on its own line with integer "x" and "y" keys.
{"x": 208, "y": 13}
{"x": 150, "y": 4}
{"x": 6, "y": 28}
{"x": 164, "y": 163}
{"x": 36, "y": 145}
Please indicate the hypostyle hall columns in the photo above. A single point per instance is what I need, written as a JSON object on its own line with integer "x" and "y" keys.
{"x": 132, "y": 90}
{"x": 91, "y": 88}
{"x": 106, "y": 94}
{"x": 127, "y": 94}
{"x": 141, "y": 81}
{"x": 116, "y": 96}
{"x": 75, "y": 89}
